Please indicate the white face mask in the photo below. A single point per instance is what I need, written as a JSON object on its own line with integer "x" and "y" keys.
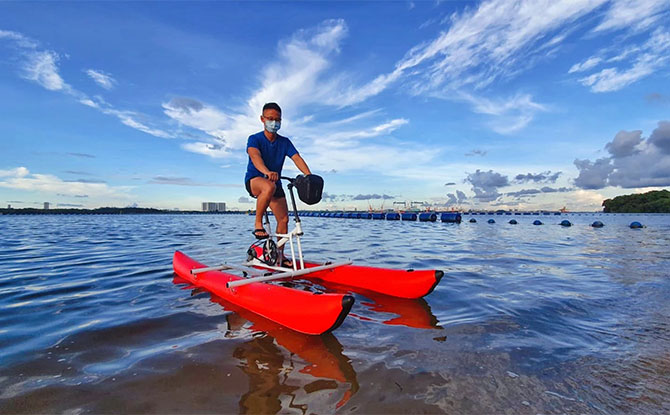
{"x": 272, "y": 126}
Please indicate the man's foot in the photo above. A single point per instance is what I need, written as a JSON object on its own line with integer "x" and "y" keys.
{"x": 286, "y": 263}
{"x": 260, "y": 233}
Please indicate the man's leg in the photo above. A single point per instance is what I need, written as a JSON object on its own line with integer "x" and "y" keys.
{"x": 263, "y": 189}
{"x": 280, "y": 210}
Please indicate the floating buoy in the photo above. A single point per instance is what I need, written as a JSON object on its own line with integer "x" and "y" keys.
{"x": 393, "y": 216}
{"x": 473, "y": 220}
{"x": 427, "y": 217}
{"x": 409, "y": 216}
{"x": 451, "y": 217}
{"x": 636, "y": 225}
{"x": 566, "y": 223}
{"x": 597, "y": 224}
{"x": 491, "y": 221}
{"x": 537, "y": 222}
{"x": 513, "y": 222}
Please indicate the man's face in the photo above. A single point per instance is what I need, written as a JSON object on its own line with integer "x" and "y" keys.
{"x": 270, "y": 115}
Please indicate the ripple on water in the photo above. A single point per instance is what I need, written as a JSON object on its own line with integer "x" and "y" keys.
{"x": 527, "y": 319}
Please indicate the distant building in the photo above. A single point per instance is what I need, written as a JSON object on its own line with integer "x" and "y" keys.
{"x": 9, "y": 206}
{"x": 213, "y": 207}
{"x": 46, "y": 205}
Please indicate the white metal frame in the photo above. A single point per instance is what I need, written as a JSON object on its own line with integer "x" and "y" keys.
{"x": 282, "y": 238}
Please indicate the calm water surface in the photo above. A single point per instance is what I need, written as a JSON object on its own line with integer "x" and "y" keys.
{"x": 528, "y": 319}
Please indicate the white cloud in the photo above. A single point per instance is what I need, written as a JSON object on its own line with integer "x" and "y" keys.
{"x": 586, "y": 65}
{"x": 16, "y": 172}
{"x": 635, "y": 14}
{"x": 101, "y": 78}
{"x": 635, "y": 63}
{"x": 652, "y": 56}
{"x": 207, "y": 149}
{"x": 587, "y": 199}
{"x": 491, "y": 42}
{"x": 41, "y": 67}
{"x": 20, "y": 178}
{"x": 21, "y": 40}
{"x": 511, "y": 115}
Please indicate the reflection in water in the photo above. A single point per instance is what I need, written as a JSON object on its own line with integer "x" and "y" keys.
{"x": 277, "y": 379}
{"x": 413, "y": 313}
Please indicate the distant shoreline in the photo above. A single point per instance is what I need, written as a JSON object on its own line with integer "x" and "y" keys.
{"x": 111, "y": 211}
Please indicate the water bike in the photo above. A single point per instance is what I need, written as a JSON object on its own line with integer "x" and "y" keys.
{"x": 303, "y": 311}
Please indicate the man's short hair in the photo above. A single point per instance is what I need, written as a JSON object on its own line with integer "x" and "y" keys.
{"x": 271, "y": 106}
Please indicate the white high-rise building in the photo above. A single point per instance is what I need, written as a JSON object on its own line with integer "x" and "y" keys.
{"x": 213, "y": 206}
{"x": 46, "y": 205}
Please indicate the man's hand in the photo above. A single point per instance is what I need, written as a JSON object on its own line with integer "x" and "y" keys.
{"x": 273, "y": 176}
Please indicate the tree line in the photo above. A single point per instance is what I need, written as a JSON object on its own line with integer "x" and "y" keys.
{"x": 656, "y": 201}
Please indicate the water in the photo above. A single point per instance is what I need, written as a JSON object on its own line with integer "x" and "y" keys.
{"x": 528, "y": 319}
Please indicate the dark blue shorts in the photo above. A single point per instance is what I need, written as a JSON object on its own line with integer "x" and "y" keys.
{"x": 279, "y": 190}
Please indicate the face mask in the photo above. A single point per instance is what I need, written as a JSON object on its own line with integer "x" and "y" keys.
{"x": 272, "y": 126}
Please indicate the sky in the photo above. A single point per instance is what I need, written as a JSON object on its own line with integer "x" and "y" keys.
{"x": 494, "y": 104}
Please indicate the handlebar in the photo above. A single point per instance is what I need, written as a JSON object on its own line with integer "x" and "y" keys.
{"x": 289, "y": 179}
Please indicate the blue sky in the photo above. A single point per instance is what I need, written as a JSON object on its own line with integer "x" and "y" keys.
{"x": 494, "y": 104}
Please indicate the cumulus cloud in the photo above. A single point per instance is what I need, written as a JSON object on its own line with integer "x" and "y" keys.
{"x": 244, "y": 199}
{"x": 593, "y": 175}
{"x": 624, "y": 143}
{"x": 456, "y": 199}
{"x": 633, "y": 162}
{"x": 485, "y": 184}
{"x": 547, "y": 177}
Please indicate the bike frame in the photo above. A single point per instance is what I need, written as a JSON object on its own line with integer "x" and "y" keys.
{"x": 283, "y": 238}
{"x": 250, "y": 268}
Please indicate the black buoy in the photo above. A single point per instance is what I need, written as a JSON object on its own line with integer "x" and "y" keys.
{"x": 473, "y": 220}
{"x": 566, "y": 223}
{"x": 491, "y": 221}
{"x": 636, "y": 225}
{"x": 597, "y": 224}
{"x": 537, "y": 222}
{"x": 513, "y": 222}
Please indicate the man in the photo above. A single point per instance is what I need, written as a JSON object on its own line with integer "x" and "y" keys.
{"x": 267, "y": 151}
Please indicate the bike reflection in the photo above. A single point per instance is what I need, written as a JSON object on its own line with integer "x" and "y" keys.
{"x": 287, "y": 370}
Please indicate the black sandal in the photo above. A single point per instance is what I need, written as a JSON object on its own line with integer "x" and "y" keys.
{"x": 257, "y": 231}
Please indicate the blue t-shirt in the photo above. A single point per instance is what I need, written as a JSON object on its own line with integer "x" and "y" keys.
{"x": 272, "y": 153}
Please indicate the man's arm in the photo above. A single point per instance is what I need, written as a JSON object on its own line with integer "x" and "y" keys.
{"x": 257, "y": 160}
{"x": 300, "y": 164}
